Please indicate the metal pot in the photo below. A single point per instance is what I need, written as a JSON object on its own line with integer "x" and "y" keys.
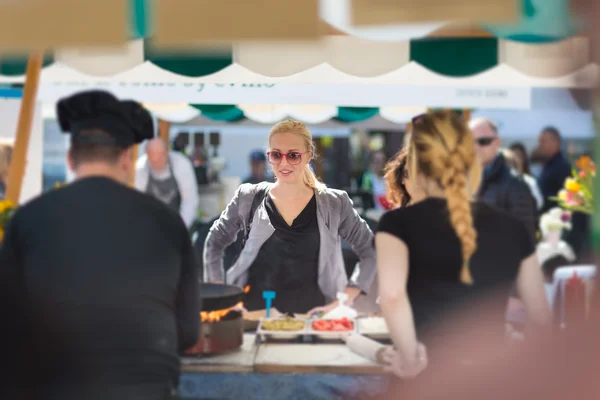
{"x": 221, "y": 336}
{"x": 215, "y": 296}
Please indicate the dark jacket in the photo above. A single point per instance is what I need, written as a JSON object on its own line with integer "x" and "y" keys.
{"x": 505, "y": 189}
{"x": 552, "y": 179}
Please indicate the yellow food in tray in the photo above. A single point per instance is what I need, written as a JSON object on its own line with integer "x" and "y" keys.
{"x": 283, "y": 325}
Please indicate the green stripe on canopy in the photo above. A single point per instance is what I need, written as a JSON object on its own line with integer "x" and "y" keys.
{"x": 455, "y": 57}
{"x": 356, "y": 114}
{"x": 16, "y": 65}
{"x": 192, "y": 64}
{"x": 229, "y": 113}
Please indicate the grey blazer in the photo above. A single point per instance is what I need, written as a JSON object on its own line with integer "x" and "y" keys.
{"x": 336, "y": 219}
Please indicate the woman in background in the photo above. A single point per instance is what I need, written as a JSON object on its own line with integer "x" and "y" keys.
{"x": 443, "y": 253}
{"x": 294, "y": 229}
{"x": 516, "y": 157}
{"x": 5, "y": 159}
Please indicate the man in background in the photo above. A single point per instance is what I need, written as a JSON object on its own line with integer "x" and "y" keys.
{"x": 556, "y": 167}
{"x": 169, "y": 177}
{"x": 501, "y": 187}
{"x": 258, "y": 168}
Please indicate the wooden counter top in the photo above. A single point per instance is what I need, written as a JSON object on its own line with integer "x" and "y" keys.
{"x": 283, "y": 358}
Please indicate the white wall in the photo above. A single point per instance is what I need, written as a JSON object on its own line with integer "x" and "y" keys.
{"x": 9, "y": 115}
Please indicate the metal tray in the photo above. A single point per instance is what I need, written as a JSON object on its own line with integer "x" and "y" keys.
{"x": 329, "y": 335}
{"x": 284, "y": 335}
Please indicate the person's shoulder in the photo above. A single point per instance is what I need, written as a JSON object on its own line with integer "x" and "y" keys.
{"x": 180, "y": 158}
{"x": 334, "y": 193}
{"x": 247, "y": 191}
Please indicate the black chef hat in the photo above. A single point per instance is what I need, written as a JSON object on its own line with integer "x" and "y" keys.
{"x": 127, "y": 122}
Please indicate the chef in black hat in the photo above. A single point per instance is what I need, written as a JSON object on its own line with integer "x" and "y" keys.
{"x": 113, "y": 267}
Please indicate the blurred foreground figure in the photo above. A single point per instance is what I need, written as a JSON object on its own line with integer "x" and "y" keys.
{"x": 111, "y": 268}
{"x": 549, "y": 367}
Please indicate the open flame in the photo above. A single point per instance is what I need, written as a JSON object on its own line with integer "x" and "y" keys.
{"x": 217, "y": 315}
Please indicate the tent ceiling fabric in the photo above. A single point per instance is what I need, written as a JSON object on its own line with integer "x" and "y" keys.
{"x": 341, "y": 52}
{"x": 337, "y": 13}
{"x": 333, "y": 60}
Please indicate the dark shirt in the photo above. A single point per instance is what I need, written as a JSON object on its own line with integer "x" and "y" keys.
{"x": 2, "y": 190}
{"x": 116, "y": 273}
{"x": 288, "y": 263}
{"x": 552, "y": 179}
{"x": 506, "y": 190}
{"x": 435, "y": 260}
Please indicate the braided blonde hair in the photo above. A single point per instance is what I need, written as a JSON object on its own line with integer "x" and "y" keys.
{"x": 442, "y": 148}
{"x": 298, "y": 128}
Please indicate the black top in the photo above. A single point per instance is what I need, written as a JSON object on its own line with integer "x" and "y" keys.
{"x": 506, "y": 190}
{"x": 116, "y": 271}
{"x": 552, "y": 179}
{"x": 435, "y": 259}
{"x": 288, "y": 263}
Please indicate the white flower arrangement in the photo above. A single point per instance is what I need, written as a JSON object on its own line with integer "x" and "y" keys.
{"x": 555, "y": 220}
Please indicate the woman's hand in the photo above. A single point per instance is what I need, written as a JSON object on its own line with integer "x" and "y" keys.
{"x": 398, "y": 367}
{"x": 323, "y": 309}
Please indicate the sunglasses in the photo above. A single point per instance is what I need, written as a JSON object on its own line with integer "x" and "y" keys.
{"x": 292, "y": 157}
{"x": 485, "y": 141}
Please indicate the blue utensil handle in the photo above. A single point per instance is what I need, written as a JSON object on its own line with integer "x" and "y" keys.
{"x": 268, "y": 295}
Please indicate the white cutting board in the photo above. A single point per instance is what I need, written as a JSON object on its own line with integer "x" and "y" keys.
{"x": 317, "y": 355}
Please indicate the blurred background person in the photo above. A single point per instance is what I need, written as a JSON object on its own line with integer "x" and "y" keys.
{"x": 372, "y": 180}
{"x": 501, "y": 187}
{"x": 169, "y": 176}
{"x": 514, "y": 162}
{"x": 258, "y": 168}
{"x": 442, "y": 254}
{"x": 200, "y": 162}
{"x": 5, "y": 159}
{"x": 556, "y": 167}
{"x": 180, "y": 144}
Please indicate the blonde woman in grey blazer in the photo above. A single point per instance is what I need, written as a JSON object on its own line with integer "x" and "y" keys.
{"x": 293, "y": 243}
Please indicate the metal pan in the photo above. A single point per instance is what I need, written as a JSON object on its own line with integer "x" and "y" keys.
{"x": 215, "y": 296}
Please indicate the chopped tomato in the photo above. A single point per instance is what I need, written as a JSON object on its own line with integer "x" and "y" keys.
{"x": 334, "y": 325}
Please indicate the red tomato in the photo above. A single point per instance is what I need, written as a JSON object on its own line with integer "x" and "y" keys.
{"x": 336, "y": 325}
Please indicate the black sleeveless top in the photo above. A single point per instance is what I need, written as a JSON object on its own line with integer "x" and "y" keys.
{"x": 288, "y": 263}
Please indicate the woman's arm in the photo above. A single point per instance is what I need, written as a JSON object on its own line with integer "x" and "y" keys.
{"x": 530, "y": 285}
{"x": 357, "y": 233}
{"x": 223, "y": 233}
{"x": 392, "y": 268}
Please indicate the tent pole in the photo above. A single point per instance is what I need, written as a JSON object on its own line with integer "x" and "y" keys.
{"x": 26, "y": 113}
{"x": 164, "y": 128}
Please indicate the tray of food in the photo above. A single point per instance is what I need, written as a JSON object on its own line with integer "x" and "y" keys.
{"x": 282, "y": 327}
{"x": 373, "y": 327}
{"x": 331, "y": 328}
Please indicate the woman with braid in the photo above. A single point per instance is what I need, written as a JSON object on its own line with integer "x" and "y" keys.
{"x": 444, "y": 252}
